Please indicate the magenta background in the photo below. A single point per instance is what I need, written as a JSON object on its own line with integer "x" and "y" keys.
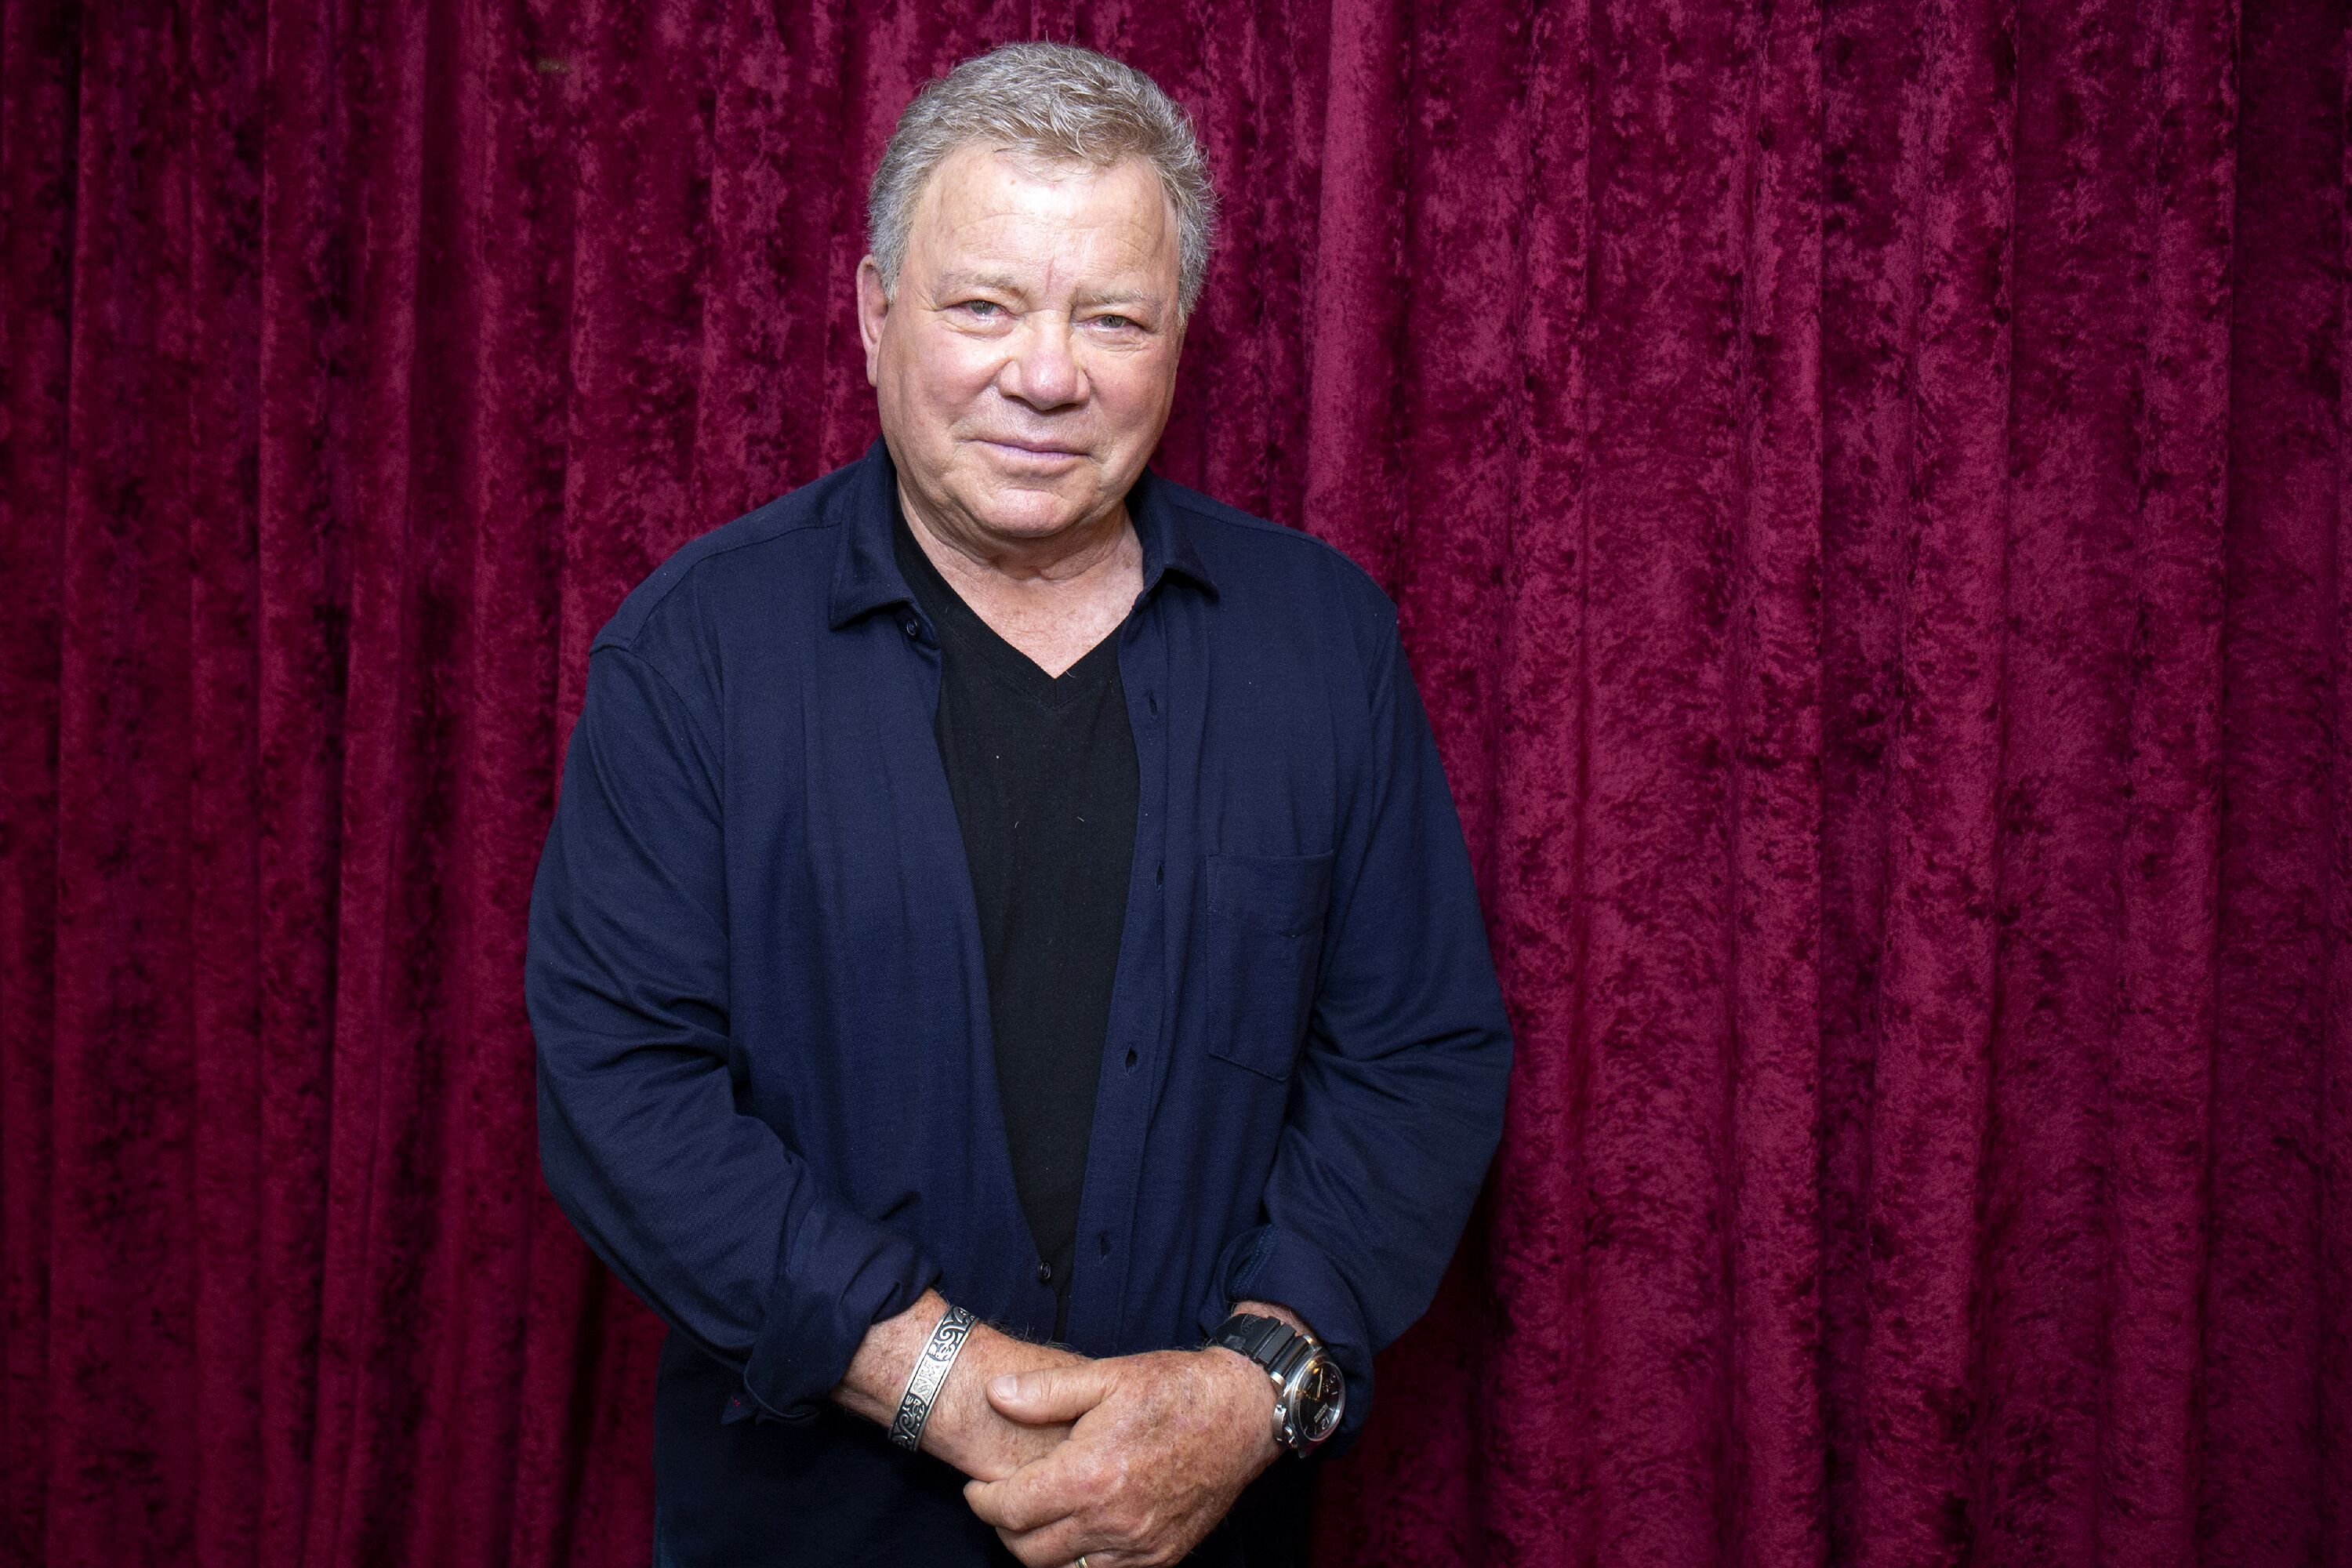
{"x": 1866, "y": 487}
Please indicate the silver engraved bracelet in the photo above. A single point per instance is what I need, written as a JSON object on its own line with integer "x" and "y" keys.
{"x": 930, "y": 1373}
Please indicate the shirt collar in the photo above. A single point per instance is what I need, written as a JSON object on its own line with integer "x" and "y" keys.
{"x": 867, "y": 578}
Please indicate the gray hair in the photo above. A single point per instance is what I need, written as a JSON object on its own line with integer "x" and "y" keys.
{"x": 1055, "y": 102}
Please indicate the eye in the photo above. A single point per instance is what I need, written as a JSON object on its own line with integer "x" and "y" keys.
{"x": 983, "y": 309}
{"x": 1116, "y": 323}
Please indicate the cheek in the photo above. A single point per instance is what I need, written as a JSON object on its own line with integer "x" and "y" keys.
{"x": 961, "y": 369}
{"x": 943, "y": 374}
{"x": 1135, "y": 389}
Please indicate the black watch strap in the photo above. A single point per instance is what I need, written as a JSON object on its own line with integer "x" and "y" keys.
{"x": 1262, "y": 1339}
{"x": 1302, "y": 1419}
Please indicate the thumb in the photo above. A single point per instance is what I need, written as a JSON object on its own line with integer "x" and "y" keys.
{"x": 1050, "y": 1393}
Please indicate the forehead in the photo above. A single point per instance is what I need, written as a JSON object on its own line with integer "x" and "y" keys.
{"x": 989, "y": 204}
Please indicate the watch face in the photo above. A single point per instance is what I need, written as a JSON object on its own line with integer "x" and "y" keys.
{"x": 1322, "y": 1397}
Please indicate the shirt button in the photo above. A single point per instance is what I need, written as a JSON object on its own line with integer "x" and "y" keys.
{"x": 1045, "y": 1274}
{"x": 914, "y": 628}
{"x": 1131, "y": 1058}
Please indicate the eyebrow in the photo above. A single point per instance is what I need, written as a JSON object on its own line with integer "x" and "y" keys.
{"x": 1004, "y": 283}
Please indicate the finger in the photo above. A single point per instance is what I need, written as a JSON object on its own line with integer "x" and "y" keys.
{"x": 1050, "y": 1393}
{"x": 1035, "y": 1495}
{"x": 1057, "y": 1545}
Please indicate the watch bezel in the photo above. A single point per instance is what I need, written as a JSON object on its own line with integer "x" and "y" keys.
{"x": 1290, "y": 1395}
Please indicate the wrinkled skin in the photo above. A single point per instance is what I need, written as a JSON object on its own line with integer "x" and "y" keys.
{"x": 1161, "y": 1444}
{"x": 1024, "y": 368}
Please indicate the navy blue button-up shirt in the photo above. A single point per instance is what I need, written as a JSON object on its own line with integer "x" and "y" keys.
{"x": 756, "y": 980}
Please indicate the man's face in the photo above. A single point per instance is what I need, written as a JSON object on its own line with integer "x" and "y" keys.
{"x": 1026, "y": 368}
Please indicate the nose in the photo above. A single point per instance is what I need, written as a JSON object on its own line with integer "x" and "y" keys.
{"x": 1042, "y": 370}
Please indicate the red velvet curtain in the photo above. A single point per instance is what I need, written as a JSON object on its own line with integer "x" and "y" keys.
{"x": 1865, "y": 483}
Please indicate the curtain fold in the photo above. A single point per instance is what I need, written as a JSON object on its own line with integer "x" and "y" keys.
{"x": 1864, "y": 484}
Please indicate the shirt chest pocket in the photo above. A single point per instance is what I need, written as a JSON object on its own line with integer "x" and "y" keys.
{"x": 1262, "y": 942}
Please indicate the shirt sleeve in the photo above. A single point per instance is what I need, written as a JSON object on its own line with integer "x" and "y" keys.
{"x": 705, "y": 1212}
{"x": 1398, "y": 1100}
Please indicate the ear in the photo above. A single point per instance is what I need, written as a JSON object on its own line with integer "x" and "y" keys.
{"x": 873, "y": 306}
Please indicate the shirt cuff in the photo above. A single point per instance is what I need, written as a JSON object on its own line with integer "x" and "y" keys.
{"x": 811, "y": 1335}
{"x": 1271, "y": 1264}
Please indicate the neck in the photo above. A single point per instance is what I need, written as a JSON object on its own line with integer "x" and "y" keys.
{"x": 1073, "y": 556}
{"x": 1053, "y": 602}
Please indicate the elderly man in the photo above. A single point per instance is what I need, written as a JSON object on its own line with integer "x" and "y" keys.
{"x": 1008, "y": 986}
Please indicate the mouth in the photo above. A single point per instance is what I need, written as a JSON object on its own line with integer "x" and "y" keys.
{"x": 1034, "y": 451}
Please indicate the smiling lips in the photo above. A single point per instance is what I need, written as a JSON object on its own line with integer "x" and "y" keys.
{"x": 1030, "y": 450}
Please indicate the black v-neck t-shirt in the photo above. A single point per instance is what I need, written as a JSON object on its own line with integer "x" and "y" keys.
{"x": 1043, "y": 771}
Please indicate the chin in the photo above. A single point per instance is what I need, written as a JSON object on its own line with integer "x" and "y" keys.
{"x": 1026, "y": 514}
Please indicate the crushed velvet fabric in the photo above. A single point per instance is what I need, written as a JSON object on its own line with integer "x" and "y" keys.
{"x": 1866, "y": 486}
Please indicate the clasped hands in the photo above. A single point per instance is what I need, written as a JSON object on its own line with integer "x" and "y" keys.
{"x": 1126, "y": 1462}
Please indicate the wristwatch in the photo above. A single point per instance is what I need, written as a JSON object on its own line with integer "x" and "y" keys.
{"x": 1309, "y": 1396}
